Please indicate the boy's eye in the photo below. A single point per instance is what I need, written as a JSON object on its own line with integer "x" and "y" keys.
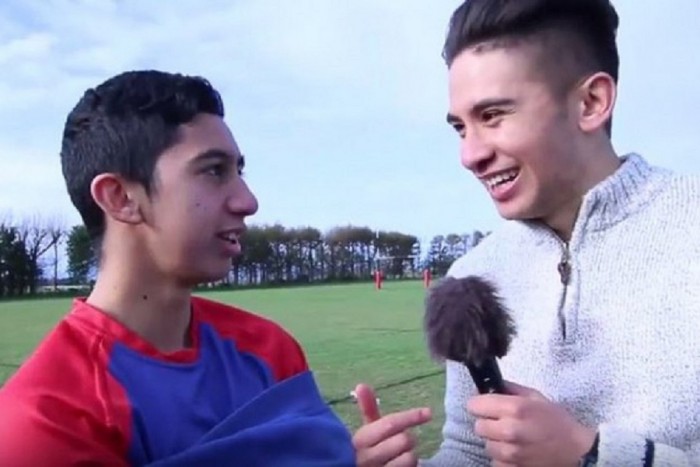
{"x": 240, "y": 165}
{"x": 223, "y": 168}
{"x": 218, "y": 170}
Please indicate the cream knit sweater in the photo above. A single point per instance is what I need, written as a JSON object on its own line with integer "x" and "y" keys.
{"x": 619, "y": 344}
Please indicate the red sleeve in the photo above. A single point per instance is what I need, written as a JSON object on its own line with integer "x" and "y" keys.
{"x": 30, "y": 438}
{"x": 58, "y": 409}
{"x": 257, "y": 335}
{"x": 291, "y": 360}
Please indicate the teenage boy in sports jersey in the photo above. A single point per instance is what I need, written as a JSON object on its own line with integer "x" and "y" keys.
{"x": 598, "y": 259}
{"x": 141, "y": 372}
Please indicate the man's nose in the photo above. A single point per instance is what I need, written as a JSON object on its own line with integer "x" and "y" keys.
{"x": 475, "y": 154}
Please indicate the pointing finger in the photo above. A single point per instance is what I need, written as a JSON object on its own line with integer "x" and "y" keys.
{"x": 390, "y": 425}
{"x": 367, "y": 403}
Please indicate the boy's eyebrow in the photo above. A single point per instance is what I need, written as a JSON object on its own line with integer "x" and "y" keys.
{"x": 215, "y": 155}
{"x": 452, "y": 119}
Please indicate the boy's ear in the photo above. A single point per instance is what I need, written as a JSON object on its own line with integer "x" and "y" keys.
{"x": 117, "y": 198}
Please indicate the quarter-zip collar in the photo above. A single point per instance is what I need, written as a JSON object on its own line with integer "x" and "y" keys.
{"x": 612, "y": 200}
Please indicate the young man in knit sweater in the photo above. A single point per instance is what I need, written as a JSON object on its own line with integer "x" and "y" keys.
{"x": 598, "y": 259}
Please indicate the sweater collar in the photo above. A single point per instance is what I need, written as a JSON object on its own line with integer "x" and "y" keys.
{"x": 620, "y": 195}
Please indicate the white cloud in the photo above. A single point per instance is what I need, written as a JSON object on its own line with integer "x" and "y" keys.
{"x": 32, "y": 185}
{"x": 322, "y": 94}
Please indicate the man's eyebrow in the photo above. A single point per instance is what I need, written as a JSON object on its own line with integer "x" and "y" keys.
{"x": 491, "y": 102}
{"x": 480, "y": 107}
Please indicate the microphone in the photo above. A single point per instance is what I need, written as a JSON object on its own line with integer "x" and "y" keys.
{"x": 466, "y": 322}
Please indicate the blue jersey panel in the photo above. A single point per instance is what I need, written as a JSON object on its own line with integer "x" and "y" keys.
{"x": 174, "y": 405}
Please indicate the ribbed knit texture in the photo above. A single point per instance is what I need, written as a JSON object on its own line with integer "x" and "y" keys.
{"x": 619, "y": 347}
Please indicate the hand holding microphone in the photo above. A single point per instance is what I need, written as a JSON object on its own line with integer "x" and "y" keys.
{"x": 466, "y": 322}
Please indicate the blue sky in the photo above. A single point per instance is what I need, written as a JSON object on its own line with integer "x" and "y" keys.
{"x": 339, "y": 106}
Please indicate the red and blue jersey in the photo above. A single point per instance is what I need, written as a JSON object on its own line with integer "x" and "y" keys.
{"x": 95, "y": 393}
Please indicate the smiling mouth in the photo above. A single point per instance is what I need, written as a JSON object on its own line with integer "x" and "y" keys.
{"x": 501, "y": 178}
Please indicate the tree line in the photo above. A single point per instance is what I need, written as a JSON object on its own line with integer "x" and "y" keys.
{"x": 24, "y": 246}
{"x": 272, "y": 254}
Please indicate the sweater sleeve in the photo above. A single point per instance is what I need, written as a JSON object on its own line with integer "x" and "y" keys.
{"x": 620, "y": 447}
{"x": 460, "y": 446}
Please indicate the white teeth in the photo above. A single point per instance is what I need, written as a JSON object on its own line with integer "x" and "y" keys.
{"x": 501, "y": 178}
{"x": 232, "y": 237}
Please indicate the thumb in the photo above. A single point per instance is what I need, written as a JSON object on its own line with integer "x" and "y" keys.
{"x": 367, "y": 403}
{"x": 515, "y": 389}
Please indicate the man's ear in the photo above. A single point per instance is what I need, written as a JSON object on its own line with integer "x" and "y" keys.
{"x": 596, "y": 97}
{"x": 117, "y": 198}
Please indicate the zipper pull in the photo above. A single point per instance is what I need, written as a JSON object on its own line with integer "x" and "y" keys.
{"x": 564, "y": 267}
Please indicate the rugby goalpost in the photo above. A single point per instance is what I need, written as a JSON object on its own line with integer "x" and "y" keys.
{"x": 386, "y": 267}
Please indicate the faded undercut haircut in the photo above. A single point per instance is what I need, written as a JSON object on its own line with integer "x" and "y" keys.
{"x": 574, "y": 38}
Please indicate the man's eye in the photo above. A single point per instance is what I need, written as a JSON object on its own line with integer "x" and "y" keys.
{"x": 459, "y": 128}
{"x": 490, "y": 115}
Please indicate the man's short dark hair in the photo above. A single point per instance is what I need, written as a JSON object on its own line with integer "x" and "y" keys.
{"x": 122, "y": 126}
{"x": 576, "y": 37}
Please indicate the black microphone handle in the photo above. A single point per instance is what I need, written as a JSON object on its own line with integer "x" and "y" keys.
{"x": 487, "y": 376}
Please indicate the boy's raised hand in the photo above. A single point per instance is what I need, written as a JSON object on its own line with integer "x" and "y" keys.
{"x": 387, "y": 440}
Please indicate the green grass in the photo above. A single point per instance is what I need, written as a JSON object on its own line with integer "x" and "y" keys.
{"x": 350, "y": 333}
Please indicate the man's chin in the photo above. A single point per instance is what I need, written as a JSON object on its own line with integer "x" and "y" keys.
{"x": 511, "y": 213}
{"x": 522, "y": 215}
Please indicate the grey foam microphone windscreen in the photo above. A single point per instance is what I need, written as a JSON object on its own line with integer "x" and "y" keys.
{"x": 466, "y": 321}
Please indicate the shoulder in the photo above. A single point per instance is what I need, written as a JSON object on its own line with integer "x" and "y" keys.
{"x": 57, "y": 400}
{"x": 670, "y": 208}
{"x": 254, "y": 334}
{"x": 682, "y": 191}
{"x": 671, "y": 220}
{"x": 669, "y": 187}
{"x": 64, "y": 361}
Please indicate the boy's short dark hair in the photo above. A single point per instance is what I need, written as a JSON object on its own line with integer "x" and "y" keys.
{"x": 122, "y": 126}
{"x": 576, "y": 37}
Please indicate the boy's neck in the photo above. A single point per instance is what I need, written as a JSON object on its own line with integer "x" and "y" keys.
{"x": 158, "y": 311}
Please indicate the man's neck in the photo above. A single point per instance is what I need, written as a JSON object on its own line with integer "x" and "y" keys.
{"x": 563, "y": 220}
{"x": 159, "y": 312}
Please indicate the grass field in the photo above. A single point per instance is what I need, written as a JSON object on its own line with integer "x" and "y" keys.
{"x": 351, "y": 333}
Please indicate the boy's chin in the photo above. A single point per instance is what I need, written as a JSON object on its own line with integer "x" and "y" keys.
{"x": 205, "y": 277}
{"x": 214, "y": 276}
